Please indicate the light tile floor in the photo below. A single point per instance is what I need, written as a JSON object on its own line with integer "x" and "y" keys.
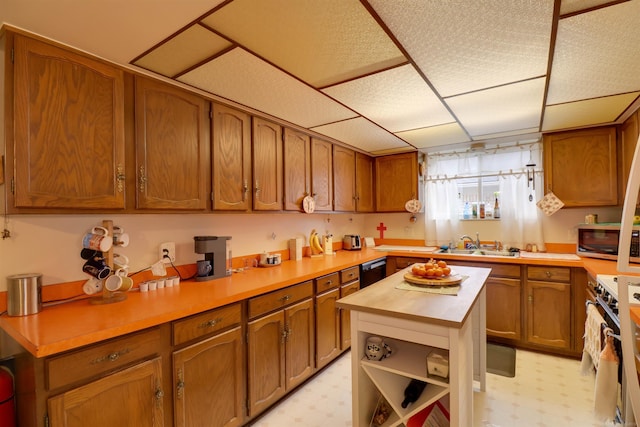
{"x": 546, "y": 391}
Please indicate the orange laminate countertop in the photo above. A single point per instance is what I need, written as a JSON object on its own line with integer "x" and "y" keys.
{"x": 63, "y": 327}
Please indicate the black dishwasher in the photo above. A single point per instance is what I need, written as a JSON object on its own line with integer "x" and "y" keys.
{"x": 372, "y": 271}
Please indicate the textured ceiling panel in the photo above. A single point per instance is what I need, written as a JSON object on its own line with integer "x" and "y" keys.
{"x": 586, "y": 66}
{"x": 571, "y": 6}
{"x": 320, "y": 42}
{"x": 362, "y": 134}
{"x": 434, "y": 136}
{"x": 585, "y": 113}
{"x": 505, "y": 108}
{"x": 187, "y": 49}
{"x": 396, "y": 99}
{"x": 464, "y": 46}
{"x": 242, "y": 77}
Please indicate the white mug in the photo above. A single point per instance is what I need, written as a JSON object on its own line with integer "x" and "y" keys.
{"x": 97, "y": 239}
{"x": 120, "y": 261}
{"x": 92, "y": 286}
{"x": 376, "y": 348}
{"x": 120, "y": 238}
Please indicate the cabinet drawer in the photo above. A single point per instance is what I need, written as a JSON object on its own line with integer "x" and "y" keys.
{"x": 505, "y": 270}
{"x": 205, "y": 323}
{"x": 95, "y": 360}
{"x": 327, "y": 282}
{"x": 556, "y": 274}
{"x": 349, "y": 289}
{"x": 280, "y": 298}
{"x": 404, "y": 262}
{"x": 349, "y": 274}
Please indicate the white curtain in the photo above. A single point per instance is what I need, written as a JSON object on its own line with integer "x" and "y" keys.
{"x": 520, "y": 220}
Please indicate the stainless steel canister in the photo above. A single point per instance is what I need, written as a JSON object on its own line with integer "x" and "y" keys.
{"x": 24, "y": 294}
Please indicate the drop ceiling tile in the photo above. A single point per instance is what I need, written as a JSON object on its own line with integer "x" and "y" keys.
{"x": 595, "y": 54}
{"x": 571, "y": 6}
{"x": 397, "y": 99}
{"x": 508, "y": 134}
{"x": 464, "y": 46}
{"x": 586, "y": 113}
{"x": 362, "y": 134}
{"x": 450, "y": 133}
{"x": 501, "y": 109}
{"x": 243, "y": 78}
{"x": 320, "y": 42}
{"x": 187, "y": 49}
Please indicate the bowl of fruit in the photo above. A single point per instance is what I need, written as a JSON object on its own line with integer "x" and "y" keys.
{"x": 432, "y": 272}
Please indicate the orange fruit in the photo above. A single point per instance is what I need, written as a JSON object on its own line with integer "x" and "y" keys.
{"x": 446, "y": 271}
{"x": 442, "y": 264}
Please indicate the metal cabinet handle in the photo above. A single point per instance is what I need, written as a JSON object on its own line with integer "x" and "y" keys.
{"x": 245, "y": 190}
{"x": 111, "y": 357}
{"x": 548, "y": 273}
{"x": 120, "y": 178}
{"x": 142, "y": 179}
{"x": 285, "y": 298}
{"x": 180, "y": 384}
{"x": 210, "y": 323}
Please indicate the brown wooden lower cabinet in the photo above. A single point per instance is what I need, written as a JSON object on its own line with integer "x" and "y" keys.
{"x": 281, "y": 344}
{"x": 548, "y": 314}
{"x": 328, "y": 327}
{"x": 504, "y": 318}
{"x": 132, "y": 397}
{"x": 208, "y": 377}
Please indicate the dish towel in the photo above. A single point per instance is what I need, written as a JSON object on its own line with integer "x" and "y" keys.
{"x": 592, "y": 340}
{"x": 606, "y": 393}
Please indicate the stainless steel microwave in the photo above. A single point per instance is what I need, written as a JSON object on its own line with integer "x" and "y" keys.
{"x": 602, "y": 240}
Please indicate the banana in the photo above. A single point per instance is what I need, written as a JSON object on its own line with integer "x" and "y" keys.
{"x": 314, "y": 243}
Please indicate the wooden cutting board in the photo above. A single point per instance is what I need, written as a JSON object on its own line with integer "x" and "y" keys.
{"x": 450, "y": 280}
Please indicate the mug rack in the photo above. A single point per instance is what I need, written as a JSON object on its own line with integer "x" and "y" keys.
{"x": 108, "y": 297}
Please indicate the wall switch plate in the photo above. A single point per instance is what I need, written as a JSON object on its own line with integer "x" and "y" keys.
{"x": 170, "y": 248}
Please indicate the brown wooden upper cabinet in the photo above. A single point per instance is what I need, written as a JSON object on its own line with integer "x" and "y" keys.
{"x": 364, "y": 183}
{"x": 588, "y": 179}
{"x": 396, "y": 181}
{"x": 628, "y": 137}
{"x": 65, "y": 129}
{"x": 344, "y": 179}
{"x": 231, "y": 159}
{"x": 322, "y": 170}
{"x": 172, "y": 147}
{"x": 297, "y": 169}
{"x": 267, "y": 165}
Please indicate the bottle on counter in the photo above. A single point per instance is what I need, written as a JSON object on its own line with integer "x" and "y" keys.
{"x": 466, "y": 212}
{"x": 413, "y": 392}
{"x": 474, "y": 210}
{"x": 496, "y": 209}
{"x": 481, "y": 210}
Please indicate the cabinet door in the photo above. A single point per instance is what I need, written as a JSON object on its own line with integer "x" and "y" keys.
{"x": 267, "y": 165}
{"x": 212, "y": 367}
{"x": 345, "y": 315}
{"x": 396, "y": 181}
{"x": 231, "y": 159}
{"x": 132, "y": 397}
{"x": 565, "y": 173}
{"x": 364, "y": 183}
{"x": 266, "y": 355}
{"x": 300, "y": 356}
{"x": 297, "y": 169}
{"x": 69, "y": 130}
{"x": 548, "y": 314}
{"x": 504, "y": 318}
{"x": 322, "y": 174}
{"x": 628, "y": 139}
{"x": 172, "y": 147}
{"x": 344, "y": 179}
{"x": 327, "y": 327}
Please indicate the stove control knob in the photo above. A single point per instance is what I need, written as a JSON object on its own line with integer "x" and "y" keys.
{"x": 608, "y": 298}
{"x": 598, "y": 289}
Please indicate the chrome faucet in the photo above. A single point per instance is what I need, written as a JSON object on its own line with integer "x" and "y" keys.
{"x": 476, "y": 244}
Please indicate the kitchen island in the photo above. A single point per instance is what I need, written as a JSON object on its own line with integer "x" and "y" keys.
{"x": 414, "y": 323}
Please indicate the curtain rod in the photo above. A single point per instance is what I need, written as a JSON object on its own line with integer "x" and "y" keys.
{"x": 520, "y": 145}
{"x": 489, "y": 175}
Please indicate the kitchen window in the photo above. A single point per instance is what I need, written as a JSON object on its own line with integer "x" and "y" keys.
{"x": 458, "y": 179}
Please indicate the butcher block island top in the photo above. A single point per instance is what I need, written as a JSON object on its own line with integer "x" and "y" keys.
{"x": 442, "y": 309}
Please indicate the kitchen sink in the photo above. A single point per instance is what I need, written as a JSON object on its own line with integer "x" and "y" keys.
{"x": 478, "y": 252}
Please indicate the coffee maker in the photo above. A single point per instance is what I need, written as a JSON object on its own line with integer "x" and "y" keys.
{"x": 217, "y": 251}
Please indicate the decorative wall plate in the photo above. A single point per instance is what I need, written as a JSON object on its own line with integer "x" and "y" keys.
{"x": 308, "y": 204}
{"x": 413, "y": 206}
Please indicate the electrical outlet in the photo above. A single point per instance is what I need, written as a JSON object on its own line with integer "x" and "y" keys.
{"x": 168, "y": 248}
